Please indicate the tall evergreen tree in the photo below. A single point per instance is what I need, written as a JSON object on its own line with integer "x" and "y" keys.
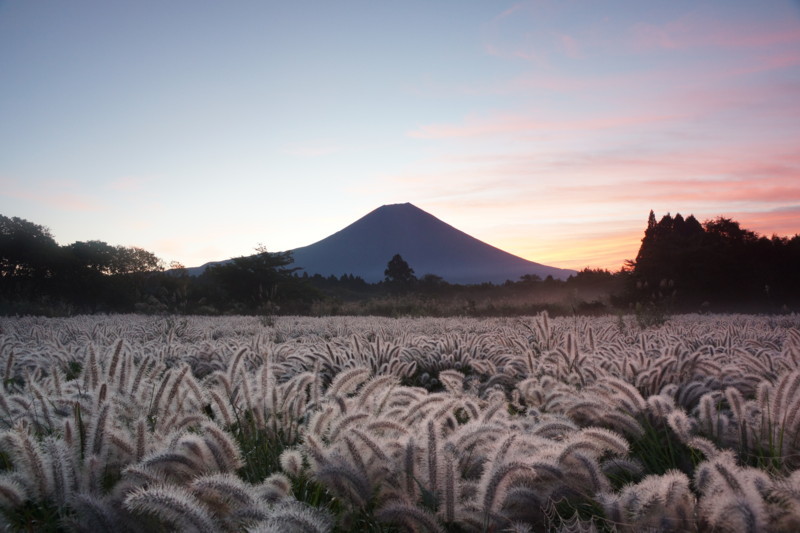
{"x": 719, "y": 262}
{"x": 398, "y": 271}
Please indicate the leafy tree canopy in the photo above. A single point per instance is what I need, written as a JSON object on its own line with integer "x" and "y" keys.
{"x": 397, "y": 271}
{"x": 26, "y": 249}
{"x": 103, "y": 258}
{"x": 255, "y": 279}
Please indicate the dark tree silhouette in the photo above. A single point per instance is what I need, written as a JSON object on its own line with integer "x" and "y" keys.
{"x": 29, "y": 258}
{"x": 398, "y": 272}
{"x": 718, "y": 262}
{"x": 27, "y": 250}
{"x": 258, "y": 282}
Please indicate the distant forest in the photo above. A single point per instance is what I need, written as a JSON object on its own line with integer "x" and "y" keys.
{"x": 682, "y": 266}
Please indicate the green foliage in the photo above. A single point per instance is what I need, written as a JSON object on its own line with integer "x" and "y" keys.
{"x": 73, "y": 370}
{"x": 425, "y": 378}
{"x": 35, "y": 517}
{"x": 660, "y": 450}
{"x": 261, "y": 448}
{"x": 261, "y": 451}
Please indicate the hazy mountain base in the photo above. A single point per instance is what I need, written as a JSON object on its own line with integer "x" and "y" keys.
{"x": 138, "y": 423}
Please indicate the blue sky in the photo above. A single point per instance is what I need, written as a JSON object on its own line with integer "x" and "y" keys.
{"x": 198, "y": 130}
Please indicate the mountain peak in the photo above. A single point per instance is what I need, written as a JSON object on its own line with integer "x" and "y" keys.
{"x": 407, "y": 207}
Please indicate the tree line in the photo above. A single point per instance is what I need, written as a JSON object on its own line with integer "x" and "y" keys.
{"x": 39, "y": 276}
{"x": 36, "y": 272}
{"x": 716, "y": 265}
{"x": 682, "y": 265}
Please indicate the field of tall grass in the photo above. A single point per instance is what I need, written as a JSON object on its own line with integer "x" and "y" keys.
{"x": 136, "y": 423}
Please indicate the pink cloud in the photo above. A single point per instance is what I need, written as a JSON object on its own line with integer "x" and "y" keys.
{"x": 763, "y": 177}
{"x": 61, "y": 200}
{"x": 649, "y": 36}
{"x": 537, "y": 31}
{"x": 534, "y": 32}
{"x": 570, "y": 46}
{"x": 782, "y": 222}
{"x": 672, "y": 85}
{"x": 646, "y": 97}
{"x": 506, "y": 123}
{"x": 720, "y": 180}
{"x": 696, "y": 31}
{"x": 755, "y": 183}
{"x": 689, "y": 192}
{"x": 753, "y": 36}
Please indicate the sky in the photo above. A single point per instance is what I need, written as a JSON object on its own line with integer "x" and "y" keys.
{"x": 199, "y": 130}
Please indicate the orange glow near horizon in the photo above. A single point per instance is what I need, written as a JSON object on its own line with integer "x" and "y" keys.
{"x": 579, "y": 253}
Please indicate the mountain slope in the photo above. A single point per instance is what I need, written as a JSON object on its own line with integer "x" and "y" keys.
{"x": 428, "y": 245}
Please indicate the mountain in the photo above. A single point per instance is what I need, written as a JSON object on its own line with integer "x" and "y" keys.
{"x": 428, "y": 245}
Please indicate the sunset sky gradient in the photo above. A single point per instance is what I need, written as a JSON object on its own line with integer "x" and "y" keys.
{"x": 199, "y": 130}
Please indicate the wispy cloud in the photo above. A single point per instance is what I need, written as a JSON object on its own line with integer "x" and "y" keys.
{"x": 717, "y": 196}
{"x": 500, "y": 124}
{"x": 557, "y": 197}
{"x": 534, "y": 31}
{"x": 784, "y": 221}
{"x": 701, "y": 31}
{"x": 571, "y": 46}
{"x": 543, "y": 30}
{"x": 52, "y": 194}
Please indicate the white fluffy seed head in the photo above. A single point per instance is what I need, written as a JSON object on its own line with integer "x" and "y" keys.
{"x": 291, "y": 462}
{"x": 275, "y": 487}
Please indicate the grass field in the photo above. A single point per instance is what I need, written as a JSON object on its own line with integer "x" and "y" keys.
{"x": 137, "y": 423}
